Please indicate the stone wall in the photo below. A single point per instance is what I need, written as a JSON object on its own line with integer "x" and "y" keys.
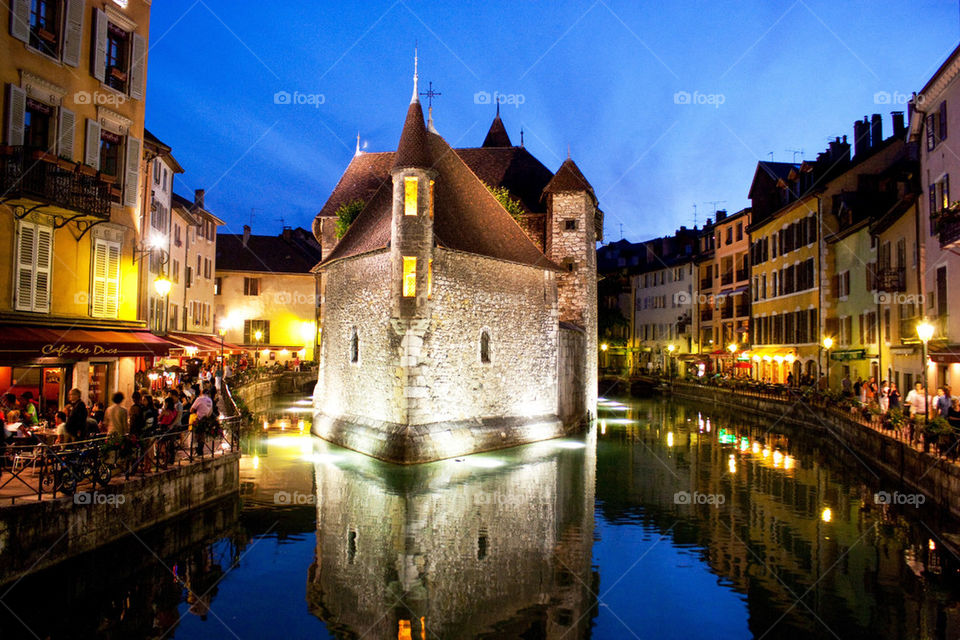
{"x": 34, "y": 536}
{"x": 535, "y": 226}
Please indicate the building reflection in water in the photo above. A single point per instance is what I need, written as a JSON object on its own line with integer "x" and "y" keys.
{"x": 798, "y": 519}
{"x": 491, "y": 545}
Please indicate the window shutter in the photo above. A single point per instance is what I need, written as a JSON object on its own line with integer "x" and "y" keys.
{"x": 98, "y": 55}
{"x": 66, "y": 130}
{"x": 131, "y": 182}
{"x": 16, "y": 110}
{"x": 139, "y": 52}
{"x": 942, "y": 120}
{"x": 91, "y": 149}
{"x": 106, "y": 280}
{"x": 41, "y": 291}
{"x": 99, "y": 289}
{"x": 20, "y": 20}
{"x": 113, "y": 280}
{"x": 26, "y": 258}
{"x": 73, "y": 32}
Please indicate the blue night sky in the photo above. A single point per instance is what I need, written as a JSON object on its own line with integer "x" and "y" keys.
{"x": 600, "y": 77}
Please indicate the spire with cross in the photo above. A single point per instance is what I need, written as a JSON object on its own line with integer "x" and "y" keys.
{"x": 430, "y": 95}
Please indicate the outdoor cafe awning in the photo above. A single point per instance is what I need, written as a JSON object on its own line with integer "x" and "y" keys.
{"x": 197, "y": 343}
{"x": 28, "y": 343}
{"x": 948, "y": 354}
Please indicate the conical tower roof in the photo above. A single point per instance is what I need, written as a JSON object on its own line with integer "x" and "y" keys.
{"x": 497, "y": 135}
{"x": 412, "y": 150}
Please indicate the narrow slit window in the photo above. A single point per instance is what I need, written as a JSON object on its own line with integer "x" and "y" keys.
{"x": 430, "y": 278}
{"x": 484, "y": 347}
{"x": 409, "y": 277}
{"x": 409, "y": 196}
{"x": 431, "y": 198}
{"x": 354, "y": 347}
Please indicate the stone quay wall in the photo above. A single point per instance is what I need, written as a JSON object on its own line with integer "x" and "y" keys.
{"x": 935, "y": 477}
{"x": 37, "y": 535}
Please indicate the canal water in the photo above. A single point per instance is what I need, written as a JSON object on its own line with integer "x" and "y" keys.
{"x": 664, "y": 520}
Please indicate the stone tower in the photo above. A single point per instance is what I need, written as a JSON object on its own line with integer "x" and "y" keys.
{"x": 574, "y": 226}
{"x": 411, "y": 258}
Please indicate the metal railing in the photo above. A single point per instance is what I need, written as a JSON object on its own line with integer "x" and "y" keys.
{"x": 31, "y": 173}
{"x": 892, "y": 280}
{"x": 949, "y": 230}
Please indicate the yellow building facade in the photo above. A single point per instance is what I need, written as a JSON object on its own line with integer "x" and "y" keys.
{"x": 74, "y": 81}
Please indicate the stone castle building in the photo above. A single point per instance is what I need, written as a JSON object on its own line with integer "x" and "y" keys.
{"x": 450, "y": 327}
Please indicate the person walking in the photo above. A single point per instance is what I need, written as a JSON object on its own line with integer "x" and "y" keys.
{"x": 846, "y": 385}
{"x": 116, "y": 417}
{"x": 884, "y": 397}
{"x": 942, "y": 403}
{"x": 136, "y": 415}
{"x": 893, "y": 396}
{"x": 76, "y": 425}
{"x": 917, "y": 400}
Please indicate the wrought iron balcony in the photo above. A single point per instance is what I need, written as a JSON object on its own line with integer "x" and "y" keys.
{"x": 949, "y": 229}
{"x": 30, "y": 174}
{"x": 892, "y": 280}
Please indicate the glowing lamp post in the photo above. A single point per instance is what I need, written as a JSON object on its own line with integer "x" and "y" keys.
{"x": 670, "y": 348}
{"x": 925, "y": 333}
{"x": 828, "y": 344}
{"x": 258, "y": 336}
{"x": 732, "y": 348}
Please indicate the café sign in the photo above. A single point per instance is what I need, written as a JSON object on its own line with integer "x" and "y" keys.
{"x": 65, "y": 350}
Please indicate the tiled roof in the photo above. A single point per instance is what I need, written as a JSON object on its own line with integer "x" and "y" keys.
{"x": 497, "y": 135}
{"x": 569, "y": 178}
{"x": 412, "y": 148}
{"x": 264, "y": 253}
{"x": 466, "y": 216}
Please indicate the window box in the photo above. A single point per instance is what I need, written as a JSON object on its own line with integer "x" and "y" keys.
{"x": 43, "y": 156}
{"x": 109, "y": 179}
{"x": 66, "y": 164}
{"x": 118, "y": 74}
{"x": 47, "y": 36}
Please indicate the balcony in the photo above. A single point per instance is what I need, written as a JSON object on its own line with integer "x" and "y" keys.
{"x": 742, "y": 274}
{"x": 706, "y": 283}
{"x": 743, "y": 310}
{"x": 727, "y": 312}
{"x": 28, "y": 174}
{"x": 892, "y": 280}
{"x": 948, "y": 226}
{"x": 726, "y": 279}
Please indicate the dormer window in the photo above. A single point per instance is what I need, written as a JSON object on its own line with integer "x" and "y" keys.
{"x": 410, "y": 196}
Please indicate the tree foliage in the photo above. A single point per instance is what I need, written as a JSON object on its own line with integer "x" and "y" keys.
{"x": 346, "y": 214}
{"x": 508, "y": 202}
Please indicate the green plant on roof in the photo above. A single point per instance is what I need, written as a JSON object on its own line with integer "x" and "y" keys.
{"x": 346, "y": 214}
{"x": 508, "y": 202}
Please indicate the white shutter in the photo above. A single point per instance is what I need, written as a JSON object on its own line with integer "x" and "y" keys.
{"x": 98, "y": 291}
{"x": 73, "y": 32}
{"x": 67, "y": 131}
{"x": 20, "y": 20}
{"x": 41, "y": 291}
{"x": 16, "y": 112}
{"x": 112, "y": 305}
{"x": 26, "y": 258}
{"x": 99, "y": 45}
{"x": 131, "y": 182}
{"x": 139, "y": 51}
{"x": 91, "y": 149}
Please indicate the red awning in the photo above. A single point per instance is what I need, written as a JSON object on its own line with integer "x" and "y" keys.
{"x": 202, "y": 343}
{"x": 28, "y": 343}
{"x": 946, "y": 355}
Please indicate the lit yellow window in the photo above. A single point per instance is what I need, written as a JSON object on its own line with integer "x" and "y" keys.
{"x": 431, "y": 198}
{"x": 409, "y": 277}
{"x": 430, "y": 278}
{"x": 410, "y": 196}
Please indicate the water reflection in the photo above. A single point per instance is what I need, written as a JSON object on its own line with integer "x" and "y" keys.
{"x": 495, "y": 545}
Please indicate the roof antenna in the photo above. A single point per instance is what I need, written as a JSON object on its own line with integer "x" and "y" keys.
{"x": 621, "y": 231}
{"x": 795, "y": 152}
{"x": 715, "y": 203}
{"x": 694, "y": 214}
{"x": 416, "y": 53}
{"x": 770, "y": 153}
{"x": 521, "y": 137}
{"x": 568, "y": 151}
{"x": 498, "y": 106}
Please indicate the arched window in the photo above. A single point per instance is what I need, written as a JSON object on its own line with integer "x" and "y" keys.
{"x": 484, "y": 346}
{"x": 354, "y": 347}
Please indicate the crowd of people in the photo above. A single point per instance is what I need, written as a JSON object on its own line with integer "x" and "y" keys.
{"x": 917, "y": 403}
{"x": 147, "y": 413}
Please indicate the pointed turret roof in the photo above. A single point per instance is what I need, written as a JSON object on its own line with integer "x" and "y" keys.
{"x": 412, "y": 148}
{"x": 497, "y": 135}
{"x": 569, "y": 178}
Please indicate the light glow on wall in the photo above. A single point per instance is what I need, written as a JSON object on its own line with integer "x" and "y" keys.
{"x": 409, "y": 196}
{"x": 409, "y": 276}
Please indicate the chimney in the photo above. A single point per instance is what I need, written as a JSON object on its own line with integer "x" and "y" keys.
{"x": 898, "y": 124}
{"x": 721, "y": 214}
{"x": 876, "y": 130}
{"x": 287, "y": 233}
{"x": 246, "y": 233}
{"x": 861, "y": 136}
{"x": 198, "y": 198}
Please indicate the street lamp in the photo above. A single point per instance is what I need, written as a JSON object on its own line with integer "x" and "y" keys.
{"x": 925, "y": 333}
{"x": 828, "y": 344}
{"x": 258, "y": 336}
{"x": 670, "y": 348}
